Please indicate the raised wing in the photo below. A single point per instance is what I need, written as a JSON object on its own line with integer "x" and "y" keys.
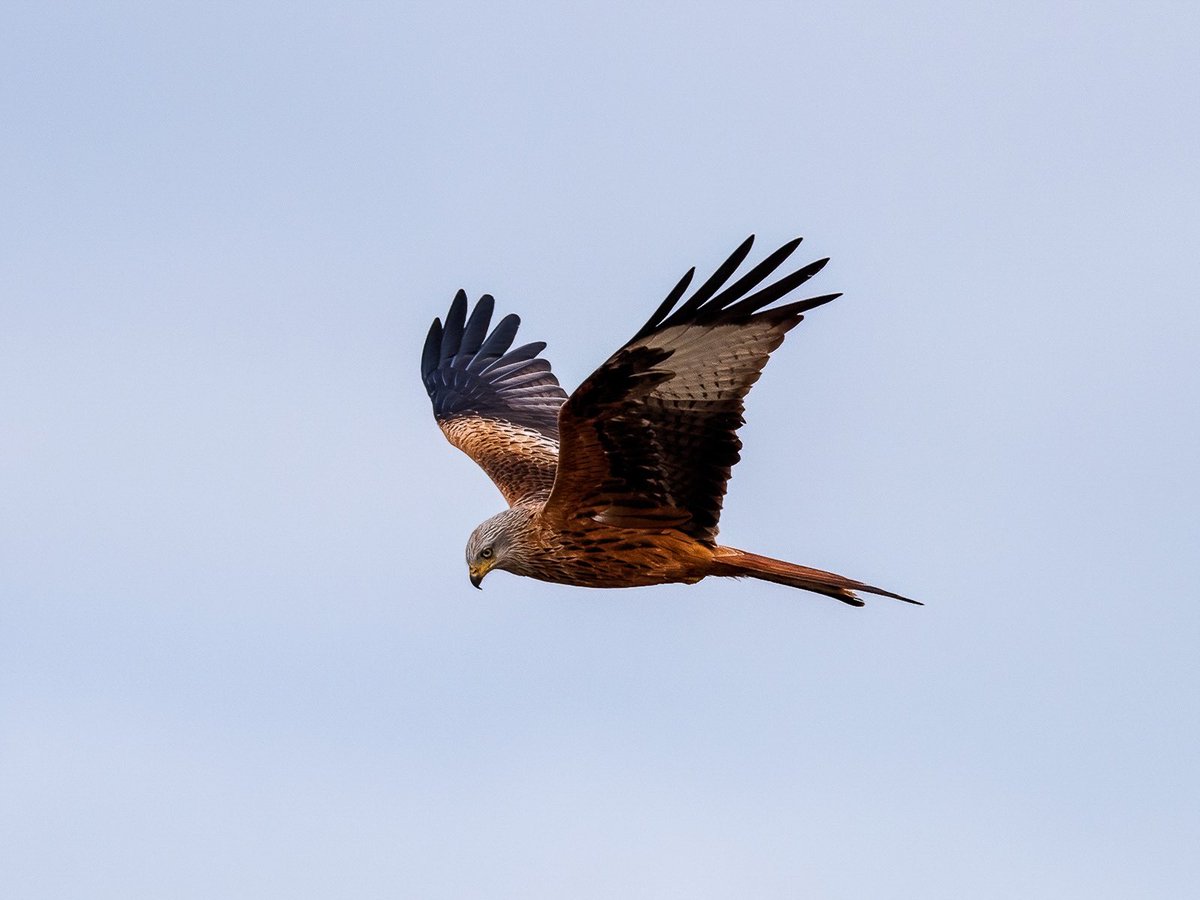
{"x": 499, "y": 406}
{"x": 650, "y": 438}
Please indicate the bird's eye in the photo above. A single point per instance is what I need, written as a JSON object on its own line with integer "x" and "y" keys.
{"x": 485, "y": 553}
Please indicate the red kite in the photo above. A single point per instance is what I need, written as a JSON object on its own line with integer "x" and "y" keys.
{"x": 621, "y": 483}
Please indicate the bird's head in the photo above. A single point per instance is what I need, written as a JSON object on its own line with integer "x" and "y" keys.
{"x": 495, "y": 544}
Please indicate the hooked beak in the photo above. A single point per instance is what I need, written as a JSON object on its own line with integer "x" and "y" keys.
{"x": 477, "y": 574}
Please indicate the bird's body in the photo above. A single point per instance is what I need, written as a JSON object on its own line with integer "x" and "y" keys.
{"x": 621, "y": 483}
{"x": 602, "y": 556}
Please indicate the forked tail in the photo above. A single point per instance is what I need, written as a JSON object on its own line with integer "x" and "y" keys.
{"x": 730, "y": 561}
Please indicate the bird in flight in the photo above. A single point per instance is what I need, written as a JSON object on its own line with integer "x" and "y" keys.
{"x": 620, "y": 484}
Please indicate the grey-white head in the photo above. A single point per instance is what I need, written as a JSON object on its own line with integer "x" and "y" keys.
{"x": 499, "y": 543}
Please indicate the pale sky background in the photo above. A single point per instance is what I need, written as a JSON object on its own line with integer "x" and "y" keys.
{"x": 239, "y": 655}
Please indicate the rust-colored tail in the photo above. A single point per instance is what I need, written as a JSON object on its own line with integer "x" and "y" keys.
{"x": 730, "y": 561}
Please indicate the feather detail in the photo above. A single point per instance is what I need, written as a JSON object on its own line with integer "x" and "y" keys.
{"x": 499, "y": 406}
{"x": 659, "y": 419}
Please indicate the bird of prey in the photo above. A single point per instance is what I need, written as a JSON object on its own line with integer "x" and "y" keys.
{"x": 620, "y": 484}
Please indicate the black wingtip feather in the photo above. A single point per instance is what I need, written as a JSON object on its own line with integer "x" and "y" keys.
{"x": 452, "y": 331}
{"x": 469, "y": 371}
{"x": 756, "y": 275}
{"x": 803, "y": 306}
{"x": 780, "y": 288}
{"x": 497, "y": 343}
{"x": 431, "y": 354}
{"x": 714, "y": 282}
{"x": 710, "y": 302}
{"x": 477, "y": 325}
{"x": 665, "y": 307}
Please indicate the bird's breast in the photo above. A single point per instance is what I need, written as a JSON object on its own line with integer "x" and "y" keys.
{"x": 591, "y": 554}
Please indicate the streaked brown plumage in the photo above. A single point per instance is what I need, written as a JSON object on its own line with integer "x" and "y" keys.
{"x": 621, "y": 483}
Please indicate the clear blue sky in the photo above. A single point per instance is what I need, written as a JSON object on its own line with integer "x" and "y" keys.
{"x": 239, "y": 655}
